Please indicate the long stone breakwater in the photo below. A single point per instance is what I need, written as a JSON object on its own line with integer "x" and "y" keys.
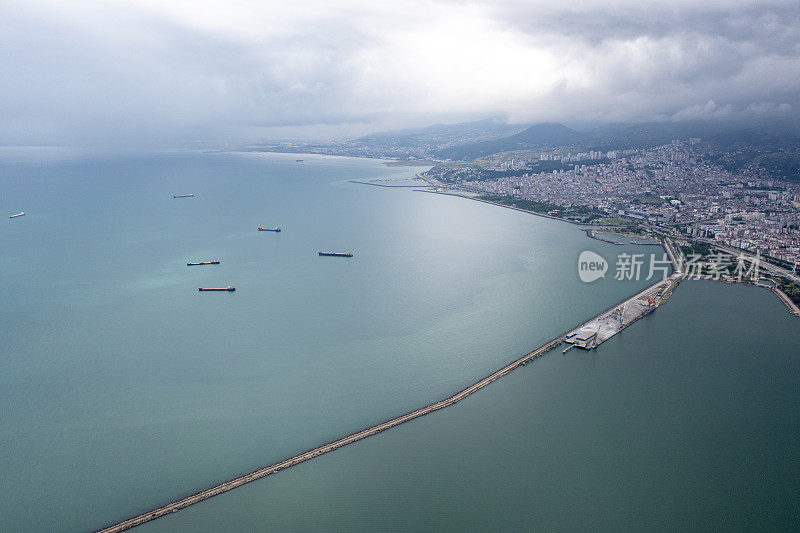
{"x": 310, "y": 454}
{"x": 331, "y": 446}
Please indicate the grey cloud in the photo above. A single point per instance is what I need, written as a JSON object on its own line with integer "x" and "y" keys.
{"x": 125, "y": 73}
{"x": 664, "y": 60}
{"x": 130, "y": 76}
{"x": 771, "y": 26}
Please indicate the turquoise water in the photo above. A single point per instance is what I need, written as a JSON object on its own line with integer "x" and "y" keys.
{"x": 687, "y": 421}
{"x": 124, "y": 388}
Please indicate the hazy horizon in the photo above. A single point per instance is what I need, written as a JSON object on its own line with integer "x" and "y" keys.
{"x": 127, "y": 74}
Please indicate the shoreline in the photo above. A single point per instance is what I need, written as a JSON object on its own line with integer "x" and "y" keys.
{"x": 504, "y": 205}
{"x": 591, "y": 228}
{"x": 387, "y": 161}
{"x": 793, "y": 307}
{"x": 677, "y": 276}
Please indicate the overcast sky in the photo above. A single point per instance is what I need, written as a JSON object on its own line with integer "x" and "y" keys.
{"x": 165, "y": 71}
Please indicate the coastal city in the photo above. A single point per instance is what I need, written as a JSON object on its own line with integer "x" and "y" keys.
{"x": 484, "y": 266}
{"x": 679, "y": 185}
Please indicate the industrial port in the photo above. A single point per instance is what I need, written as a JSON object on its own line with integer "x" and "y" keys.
{"x": 616, "y": 318}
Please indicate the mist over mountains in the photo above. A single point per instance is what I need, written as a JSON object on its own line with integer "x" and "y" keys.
{"x": 482, "y": 138}
{"x": 538, "y": 135}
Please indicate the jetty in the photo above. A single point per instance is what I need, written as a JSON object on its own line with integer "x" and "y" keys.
{"x": 376, "y": 184}
{"x": 592, "y": 235}
{"x": 665, "y": 287}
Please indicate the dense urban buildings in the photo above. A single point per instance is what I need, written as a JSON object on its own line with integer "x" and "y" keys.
{"x": 682, "y": 184}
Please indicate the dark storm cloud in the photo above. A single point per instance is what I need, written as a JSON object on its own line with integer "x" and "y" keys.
{"x": 657, "y": 60}
{"x": 148, "y": 72}
{"x": 117, "y": 73}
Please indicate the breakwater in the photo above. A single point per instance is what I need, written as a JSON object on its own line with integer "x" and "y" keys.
{"x": 325, "y": 448}
{"x": 376, "y": 184}
{"x": 592, "y": 235}
{"x": 374, "y": 430}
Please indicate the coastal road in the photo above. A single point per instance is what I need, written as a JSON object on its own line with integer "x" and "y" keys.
{"x": 761, "y": 262}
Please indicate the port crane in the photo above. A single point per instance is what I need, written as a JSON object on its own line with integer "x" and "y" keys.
{"x": 622, "y": 314}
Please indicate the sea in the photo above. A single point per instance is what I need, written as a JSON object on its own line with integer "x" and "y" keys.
{"x": 123, "y": 387}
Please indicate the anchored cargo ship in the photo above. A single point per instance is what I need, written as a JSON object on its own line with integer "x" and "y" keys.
{"x": 215, "y": 262}
{"x": 20, "y": 214}
{"x": 183, "y": 195}
{"x": 336, "y": 254}
{"x": 275, "y": 229}
{"x": 228, "y": 288}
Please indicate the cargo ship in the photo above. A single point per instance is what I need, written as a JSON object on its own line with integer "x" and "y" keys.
{"x": 227, "y": 289}
{"x": 336, "y": 254}
{"x": 275, "y": 229}
{"x": 215, "y": 262}
{"x": 183, "y": 195}
{"x": 20, "y": 214}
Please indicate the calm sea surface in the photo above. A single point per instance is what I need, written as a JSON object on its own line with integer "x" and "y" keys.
{"x": 123, "y": 388}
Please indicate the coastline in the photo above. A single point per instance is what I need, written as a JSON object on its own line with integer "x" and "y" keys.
{"x": 589, "y": 228}
{"x": 793, "y": 307}
{"x": 389, "y": 162}
{"x": 408, "y": 163}
{"x": 504, "y": 205}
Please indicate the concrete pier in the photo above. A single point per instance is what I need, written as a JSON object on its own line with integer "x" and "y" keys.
{"x": 616, "y": 318}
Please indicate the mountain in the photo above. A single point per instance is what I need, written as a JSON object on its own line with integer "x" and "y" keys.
{"x": 754, "y": 136}
{"x": 545, "y": 134}
{"x": 441, "y": 136}
{"x": 723, "y": 132}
